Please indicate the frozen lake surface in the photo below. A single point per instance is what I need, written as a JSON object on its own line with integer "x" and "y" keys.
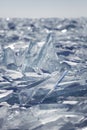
{"x": 43, "y": 74}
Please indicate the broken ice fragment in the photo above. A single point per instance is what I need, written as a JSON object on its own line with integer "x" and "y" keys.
{"x": 5, "y": 95}
{"x": 56, "y": 85}
{"x": 47, "y": 58}
{"x": 61, "y": 78}
{"x": 9, "y": 57}
{"x": 11, "y": 25}
{"x": 39, "y": 92}
{"x": 41, "y": 55}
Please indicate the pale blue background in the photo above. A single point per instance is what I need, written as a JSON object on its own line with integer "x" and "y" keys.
{"x": 43, "y": 8}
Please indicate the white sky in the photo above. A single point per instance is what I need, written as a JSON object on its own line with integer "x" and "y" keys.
{"x": 43, "y": 8}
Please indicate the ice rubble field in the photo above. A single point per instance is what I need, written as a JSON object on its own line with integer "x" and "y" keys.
{"x": 43, "y": 74}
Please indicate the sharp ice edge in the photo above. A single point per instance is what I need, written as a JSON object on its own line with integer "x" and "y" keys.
{"x": 38, "y": 58}
{"x": 55, "y": 86}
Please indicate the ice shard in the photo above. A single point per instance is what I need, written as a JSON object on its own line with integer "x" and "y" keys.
{"x": 38, "y": 56}
{"x": 4, "y": 95}
{"x": 45, "y": 60}
{"x": 9, "y": 58}
{"x": 38, "y": 93}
